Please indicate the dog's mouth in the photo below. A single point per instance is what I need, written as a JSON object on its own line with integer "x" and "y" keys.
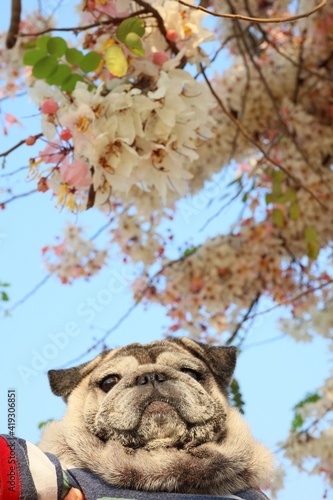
{"x": 159, "y": 408}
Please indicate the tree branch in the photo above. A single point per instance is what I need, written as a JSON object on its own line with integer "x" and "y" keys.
{"x": 244, "y": 319}
{"x": 17, "y": 196}
{"x": 255, "y": 19}
{"x": 14, "y": 24}
{"x": 115, "y": 21}
{"x": 6, "y": 153}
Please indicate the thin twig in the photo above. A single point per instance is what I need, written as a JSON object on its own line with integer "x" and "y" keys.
{"x": 6, "y": 153}
{"x": 255, "y": 19}
{"x": 243, "y": 320}
{"x": 100, "y": 231}
{"x": 290, "y": 300}
{"x": 86, "y": 27}
{"x": 17, "y": 196}
{"x": 264, "y": 342}
{"x": 220, "y": 210}
{"x": 255, "y": 143}
{"x": 32, "y": 292}
{"x": 9, "y": 174}
{"x": 6, "y": 97}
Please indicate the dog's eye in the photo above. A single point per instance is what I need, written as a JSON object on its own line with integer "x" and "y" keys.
{"x": 108, "y": 382}
{"x": 192, "y": 373}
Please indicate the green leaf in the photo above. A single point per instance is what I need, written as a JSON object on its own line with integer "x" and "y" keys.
{"x": 189, "y": 251}
{"x": 45, "y": 67}
{"x": 116, "y": 61}
{"x": 70, "y": 84}
{"x": 297, "y": 422}
{"x": 278, "y": 218}
{"x": 31, "y": 57}
{"x": 291, "y": 194}
{"x": 268, "y": 198}
{"x": 236, "y": 396}
{"x": 42, "y": 424}
{"x": 4, "y": 296}
{"x": 61, "y": 74}
{"x": 90, "y": 62}
{"x": 131, "y": 25}
{"x": 312, "y": 244}
{"x": 42, "y": 42}
{"x": 283, "y": 199}
{"x": 238, "y": 180}
{"x": 276, "y": 188}
{"x": 309, "y": 398}
{"x": 73, "y": 56}
{"x": 134, "y": 44}
{"x": 30, "y": 44}
{"x": 310, "y": 234}
{"x": 56, "y": 46}
{"x": 294, "y": 211}
{"x": 278, "y": 175}
{"x": 4, "y": 284}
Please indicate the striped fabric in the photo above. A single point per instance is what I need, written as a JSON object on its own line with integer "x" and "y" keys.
{"x": 26, "y": 473}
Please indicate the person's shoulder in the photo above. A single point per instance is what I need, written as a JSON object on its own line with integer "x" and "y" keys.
{"x": 94, "y": 488}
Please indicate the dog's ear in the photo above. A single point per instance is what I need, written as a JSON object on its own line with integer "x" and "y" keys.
{"x": 220, "y": 359}
{"x": 62, "y": 382}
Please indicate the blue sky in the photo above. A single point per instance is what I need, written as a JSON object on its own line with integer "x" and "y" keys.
{"x": 52, "y": 327}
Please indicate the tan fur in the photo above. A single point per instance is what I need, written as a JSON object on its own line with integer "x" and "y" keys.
{"x": 179, "y": 435}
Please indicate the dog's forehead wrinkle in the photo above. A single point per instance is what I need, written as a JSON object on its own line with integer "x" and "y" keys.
{"x": 179, "y": 359}
{"x": 115, "y": 365}
{"x": 148, "y": 353}
{"x": 138, "y": 351}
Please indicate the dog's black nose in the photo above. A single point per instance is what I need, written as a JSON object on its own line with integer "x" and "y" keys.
{"x": 151, "y": 378}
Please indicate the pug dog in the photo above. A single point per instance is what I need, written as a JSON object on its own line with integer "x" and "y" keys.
{"x": 156, "y": 417}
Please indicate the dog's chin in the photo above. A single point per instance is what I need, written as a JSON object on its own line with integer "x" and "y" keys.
{"x": 161, "y": 427}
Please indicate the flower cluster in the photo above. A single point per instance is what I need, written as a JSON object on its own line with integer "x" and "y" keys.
{"x": 124, "y": 137}
{"x": 211, "y": 289}
{"x": 73, "y": 257}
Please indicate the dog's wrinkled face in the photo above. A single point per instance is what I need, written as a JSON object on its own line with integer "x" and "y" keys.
{"x": 153, "y": 397}
{"x": 164, "y": 394}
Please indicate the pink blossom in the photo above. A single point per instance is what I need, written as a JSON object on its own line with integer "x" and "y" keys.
{"x": 160, "y": 57}
{"x": 65, "y": 134}
{"x": 75, "y": 174}
{"x": 11, "y": 120}
{"x": 52, "y": 153}
{"x": 49, "y": 107}
{"x": 59, "y": 249}
{"x": 171, "y": 35}
{"x": 109, "y": 8}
